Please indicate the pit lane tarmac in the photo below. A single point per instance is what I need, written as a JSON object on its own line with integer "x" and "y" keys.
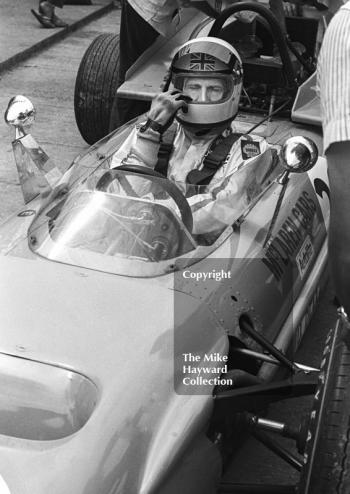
{"x": 48, "y": 80}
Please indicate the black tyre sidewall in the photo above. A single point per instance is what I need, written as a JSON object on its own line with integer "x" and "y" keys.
{"x": 327, "y": 455}
{"x": 96, "y": 86}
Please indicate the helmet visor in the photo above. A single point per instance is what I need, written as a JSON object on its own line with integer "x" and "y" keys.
{"x": 204, "y": 89}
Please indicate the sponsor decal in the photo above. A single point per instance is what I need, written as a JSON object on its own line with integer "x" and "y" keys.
{"x": 26, "y": 212}
{"x": 249, "y": 149}
{"x": 304, "y": 256}
{"x": 283, "y": 248}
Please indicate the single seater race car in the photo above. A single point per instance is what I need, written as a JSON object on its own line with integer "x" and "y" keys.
{"x": 134, "y": 351}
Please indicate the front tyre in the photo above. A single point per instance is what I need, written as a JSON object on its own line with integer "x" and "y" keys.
{"x": 327, "y": 453}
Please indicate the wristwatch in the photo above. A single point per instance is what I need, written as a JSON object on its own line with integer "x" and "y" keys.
{"x": 152, "y": 124}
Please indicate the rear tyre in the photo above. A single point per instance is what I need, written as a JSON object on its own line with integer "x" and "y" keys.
{"x": 95, "y": 87}
{"x": 123, "y": 110}
{"x": 327, "y": 454}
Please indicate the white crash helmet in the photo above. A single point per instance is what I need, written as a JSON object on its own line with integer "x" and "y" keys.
{"x": 210, "y": 59}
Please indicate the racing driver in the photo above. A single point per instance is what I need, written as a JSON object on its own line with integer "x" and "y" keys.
{"x": 190, "y": 136}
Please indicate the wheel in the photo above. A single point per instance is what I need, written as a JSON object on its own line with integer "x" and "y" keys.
{"x": 327, "y": 456}
{"x": 95, "y": 87}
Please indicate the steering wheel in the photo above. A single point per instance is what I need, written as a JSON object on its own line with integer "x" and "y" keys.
{"x": 276, "y": 31}
{"x": 177, "y": 196}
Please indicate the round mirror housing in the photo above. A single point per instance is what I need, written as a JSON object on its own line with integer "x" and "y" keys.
{"x": 299, "y": 154}
{"x": 20, "y": 112}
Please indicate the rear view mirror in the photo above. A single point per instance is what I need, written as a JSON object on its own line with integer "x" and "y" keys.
{"x": 299, "y": 154}
{"x": 20, "y": 113}
{"x": 36, "y": 171}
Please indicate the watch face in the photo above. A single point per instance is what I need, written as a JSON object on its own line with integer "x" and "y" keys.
{"x": 152, "y": 124}
{"x": 156, "y": 126}
{"x": 143, "y": 127}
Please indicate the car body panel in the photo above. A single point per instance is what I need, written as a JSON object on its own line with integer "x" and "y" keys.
{"x": 129, "y": 349}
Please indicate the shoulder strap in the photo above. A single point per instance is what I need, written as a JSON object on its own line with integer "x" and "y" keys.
{"x": 165, "y": 149}
{"x": 214, "y": 160}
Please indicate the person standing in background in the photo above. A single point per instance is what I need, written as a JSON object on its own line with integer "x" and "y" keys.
{"x": 135, "y": 36}
{"x": 333, "y": 73}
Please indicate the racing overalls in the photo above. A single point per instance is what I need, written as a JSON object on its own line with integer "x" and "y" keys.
{"x": 248, "y": 167}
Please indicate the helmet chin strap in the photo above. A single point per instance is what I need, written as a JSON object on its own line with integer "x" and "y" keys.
{"x": 200, "y": 130}
{"x": 217, "y": 130}
{"x": 193, "y": 129}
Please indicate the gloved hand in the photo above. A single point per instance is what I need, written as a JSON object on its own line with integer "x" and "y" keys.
{"x": 165, "y": 106}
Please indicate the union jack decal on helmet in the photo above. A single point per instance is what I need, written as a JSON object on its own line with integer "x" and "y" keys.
{"x": 202, "y": 61}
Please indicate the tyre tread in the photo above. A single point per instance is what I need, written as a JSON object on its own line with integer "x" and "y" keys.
{"x": 329, "y": 471}
{"x": 95, "y": 87}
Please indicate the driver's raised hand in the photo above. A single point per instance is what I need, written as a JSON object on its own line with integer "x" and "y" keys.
{"x": 165, "y": 106}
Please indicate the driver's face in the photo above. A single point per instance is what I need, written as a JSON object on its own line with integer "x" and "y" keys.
{"x": 204, "y": 90}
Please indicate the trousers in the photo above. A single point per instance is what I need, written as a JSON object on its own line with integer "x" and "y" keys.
{"x": 55, "y": 3}
{"x": 136, "y": 35}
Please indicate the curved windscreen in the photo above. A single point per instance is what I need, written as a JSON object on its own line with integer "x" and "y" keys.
{"x": 116, "y": 222}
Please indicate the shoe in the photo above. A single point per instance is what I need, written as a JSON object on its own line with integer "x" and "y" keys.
{"x": 47, "y": 9}
{"x": 47, "y": 17}
{"x": 58, "y": 22}
{"x": 43, "y": 19}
